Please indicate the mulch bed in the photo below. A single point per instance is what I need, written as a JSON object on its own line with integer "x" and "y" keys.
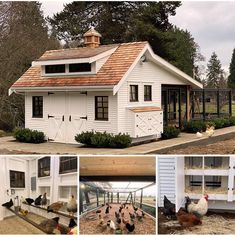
{"x": 89, "y": 223}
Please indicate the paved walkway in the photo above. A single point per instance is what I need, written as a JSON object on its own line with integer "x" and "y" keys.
{"x": 161, "y": 146}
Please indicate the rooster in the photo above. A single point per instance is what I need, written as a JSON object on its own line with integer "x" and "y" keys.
{"x": 187, "y": 220}
{"x": 200, "y": 208}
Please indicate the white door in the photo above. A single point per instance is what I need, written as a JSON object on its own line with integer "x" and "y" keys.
{"x": 56, "y": 117}
{"x": 231, "y": 179}
{"x": 77, "y": 115}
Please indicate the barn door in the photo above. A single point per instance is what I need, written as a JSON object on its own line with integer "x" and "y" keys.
{"x": 56, "y": 117}
{"x": 77, "y": 115}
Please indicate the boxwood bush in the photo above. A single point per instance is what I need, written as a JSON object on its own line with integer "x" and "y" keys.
{"x": 103, "y": 140}
{"x": 170, "y": 132}
{"x": 194, "y": 126}
{"x": 29, "y": 136}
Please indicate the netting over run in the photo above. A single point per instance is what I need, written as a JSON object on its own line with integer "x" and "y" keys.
{"x": 210, "y": 103}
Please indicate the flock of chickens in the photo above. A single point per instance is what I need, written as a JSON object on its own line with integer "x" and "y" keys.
{"x": 49, "y": 225}
{"x": 210, "y": 130}
{"x": 115, "y": 226}
{"x": 189, "y": 216}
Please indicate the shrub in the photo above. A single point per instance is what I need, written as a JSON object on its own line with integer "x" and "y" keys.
{"x": 2, "y": 133}
{"x": 170, "y": 132}
{"x": 121, "y": 141}
{"x": 85, "y": 137}
{"x": 232, "y": 121}
{"x": 219, "y": 123}
{"x": 194, "y": 126}
{"x": 103, "y": 139}
{"x": 29, "y": 136}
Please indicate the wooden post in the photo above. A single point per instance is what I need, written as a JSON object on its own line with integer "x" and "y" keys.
{"x": 203, "y": 105}
{"x": 188, "y": 104}
{"x": 118, "y": 197}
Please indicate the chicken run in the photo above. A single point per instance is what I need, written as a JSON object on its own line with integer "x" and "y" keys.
{"x": 43, "y": 211}
{"x": 116, "y": 211}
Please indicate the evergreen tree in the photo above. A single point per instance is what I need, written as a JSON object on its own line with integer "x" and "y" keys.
{"x": 215, "y": 74}
{"x": 231, "y": 77}
{"x": 24, "y": 37}
{"x": 130, "y": 21}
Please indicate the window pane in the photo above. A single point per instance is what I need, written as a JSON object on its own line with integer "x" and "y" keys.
{"x": 60, "y": 68}
{"x": 101, "y": 108}
{"x": 82, "y": 67}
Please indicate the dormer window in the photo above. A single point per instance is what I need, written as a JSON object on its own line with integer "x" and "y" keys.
{"x": 58, "y": 68}
{"x": 82, "y": 67}
{"x": 66, "y": 69}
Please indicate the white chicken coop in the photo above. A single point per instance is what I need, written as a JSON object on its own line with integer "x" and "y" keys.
{"x": 193, "y": 176}
{"x": 28, "y": 177}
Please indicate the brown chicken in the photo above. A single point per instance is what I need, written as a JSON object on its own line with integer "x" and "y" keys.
{"x": 55, "y": 207}
{"x": 49, "y": 225}
{"x": 187, "y": 220}
{"x": 72, "y": 206}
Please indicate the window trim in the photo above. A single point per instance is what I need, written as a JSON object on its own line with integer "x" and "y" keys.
{"x": 146, "y": 94}
{"x": 96, "y": 108}
{"x": 33, "y": 106}
{"x": 136, "y": 93}
{"x": 38, "y": 174}
{"x": 18, "y": 187}
{"x": 74, "y": 170}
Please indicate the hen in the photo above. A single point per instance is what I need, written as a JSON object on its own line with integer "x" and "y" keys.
{"x": 72, "y": 205}
{"x": 169, "y": 207}
{"x": 8, "y": 204}
{"x": 111, "y": 224}
{"x": 55, "y": 207}
{"x": 187, "y": 219}
{"x": 29, "y": 200}
{"x": 49, "y": 225}
{"x": 200, "y": 208}
{"x": 38, "y": 200}
{"x": 44, "y": 199}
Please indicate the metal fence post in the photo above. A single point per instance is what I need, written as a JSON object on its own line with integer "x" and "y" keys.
{"x": 230, "y": 103}
{"x": 218, "y": 103}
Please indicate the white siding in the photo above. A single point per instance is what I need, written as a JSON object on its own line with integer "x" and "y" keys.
{"x": 108, "y": 126}
{"x": 166, "y": 179}
{"x": 40, "y": 124}
{"x": 147, "y": 73}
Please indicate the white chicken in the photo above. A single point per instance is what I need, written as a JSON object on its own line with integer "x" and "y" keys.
{"x": 200, "y": 208}
{"x": 199, "y": 134}
{"x": 210, "y": 131}
{"x": 111, "y": 224}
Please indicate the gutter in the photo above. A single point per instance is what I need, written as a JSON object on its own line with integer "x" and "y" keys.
{"x": 20, "y": 90}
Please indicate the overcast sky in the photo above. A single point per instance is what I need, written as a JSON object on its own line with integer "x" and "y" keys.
{"x": 211, "y": 23}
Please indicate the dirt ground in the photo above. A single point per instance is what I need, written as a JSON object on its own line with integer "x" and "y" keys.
{"x": 212, "y": 223}
{"x": 6, "y": 151}
{"x": 221, "y": 147}
{"x": 89, "y": 224}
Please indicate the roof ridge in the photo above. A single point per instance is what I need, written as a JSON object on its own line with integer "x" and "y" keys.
{"x": 76, "y": 48}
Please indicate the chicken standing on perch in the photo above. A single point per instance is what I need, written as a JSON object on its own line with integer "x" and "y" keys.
{"x": 72, "y": 205}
